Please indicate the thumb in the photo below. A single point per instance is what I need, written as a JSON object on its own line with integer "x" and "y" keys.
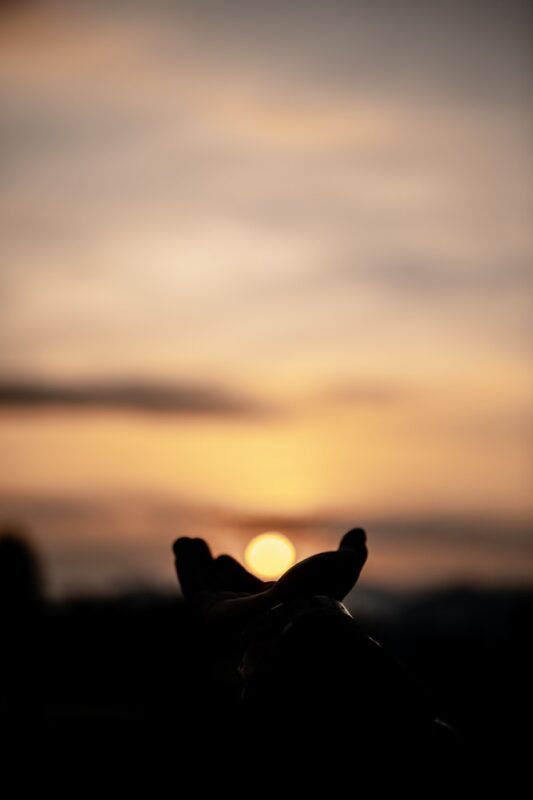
{"x": 332, "y": 574}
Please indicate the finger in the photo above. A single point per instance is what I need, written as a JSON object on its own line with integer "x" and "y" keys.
{"x": 234, "y": 577}
{"x": 193, "y": 563}
{"x": 198, "y": 548}
{"x": 355, "y": 542}
{"x": 230, "y": 611}
{"x": 355, "y": 539}
{"x": 331, "y": 574}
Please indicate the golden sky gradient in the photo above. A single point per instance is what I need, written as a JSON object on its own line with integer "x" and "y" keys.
{"x": 307, "y": 227}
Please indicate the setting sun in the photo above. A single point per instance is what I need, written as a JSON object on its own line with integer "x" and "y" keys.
{"x": 269, "y": 554}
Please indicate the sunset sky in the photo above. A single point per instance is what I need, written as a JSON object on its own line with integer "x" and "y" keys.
{"x": 267, "y": 266}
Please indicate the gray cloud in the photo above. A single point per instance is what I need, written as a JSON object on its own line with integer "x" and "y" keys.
{"x": 139, "y": 397}
{"x": 364, "y": 393}
{"x": 476, "y": 531}
{"x": 433, "y": 278}
{"x": 109, "y": 542}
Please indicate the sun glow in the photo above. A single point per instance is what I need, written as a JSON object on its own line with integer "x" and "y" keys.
{"x": 269, "y": 554}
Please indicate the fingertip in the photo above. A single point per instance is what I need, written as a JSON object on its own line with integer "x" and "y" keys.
{"x": 355, "y": 539}
{"x": 193, "y": 562}
{"x": 180, "y": 545}
{"x": 202, "y": 549}
{"x": 186, "y": 546}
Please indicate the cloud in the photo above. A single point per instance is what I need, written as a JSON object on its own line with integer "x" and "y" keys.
{"x": 364, "y": 393}
{"x": 183, "y": 399}
{"x": 434, "y": 276}
{"x": 95, "y": 542}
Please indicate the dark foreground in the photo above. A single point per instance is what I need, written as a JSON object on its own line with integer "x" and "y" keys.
{"x": 136, "y": 665}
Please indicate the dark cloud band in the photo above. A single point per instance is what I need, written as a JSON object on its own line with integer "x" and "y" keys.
{"x": 139, "y": 397}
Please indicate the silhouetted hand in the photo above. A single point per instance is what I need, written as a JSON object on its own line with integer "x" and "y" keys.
{"x": 223, "y": 591}
{"x": 306, "y": 663}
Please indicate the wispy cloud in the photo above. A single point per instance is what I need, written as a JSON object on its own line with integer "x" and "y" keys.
{"x": 106, "y": 543}
{"x": 140, "y": 397}
{"x": 319, "y": 210}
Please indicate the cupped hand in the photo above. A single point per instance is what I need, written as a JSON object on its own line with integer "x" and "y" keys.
{"x": 224, "y": 592}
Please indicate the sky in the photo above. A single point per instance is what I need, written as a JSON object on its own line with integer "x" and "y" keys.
{"x": 267, "y": 266}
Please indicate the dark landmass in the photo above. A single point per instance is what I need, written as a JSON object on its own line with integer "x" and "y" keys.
{"x": 137, "y": 662}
